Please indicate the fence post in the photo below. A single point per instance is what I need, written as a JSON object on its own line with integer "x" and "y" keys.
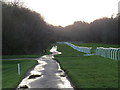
{"x": 18, "y": 69}
{"x": 118, "y": 54}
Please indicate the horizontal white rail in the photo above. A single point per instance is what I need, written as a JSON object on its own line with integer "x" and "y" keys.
{"x": 112, "y": 53}
{"x": 81, "y": 49}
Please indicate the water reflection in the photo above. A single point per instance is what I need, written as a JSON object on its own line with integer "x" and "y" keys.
{"x": 41, "y": 73}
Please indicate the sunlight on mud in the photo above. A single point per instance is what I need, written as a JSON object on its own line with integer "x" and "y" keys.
{"x": 37, "y": 72}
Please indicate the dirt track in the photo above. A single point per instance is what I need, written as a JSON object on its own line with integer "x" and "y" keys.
{"x": 47, "y": 74}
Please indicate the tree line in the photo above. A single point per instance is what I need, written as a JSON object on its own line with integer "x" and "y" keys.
{"x": 26, "y": 32}
{"x": 103, "y": 30}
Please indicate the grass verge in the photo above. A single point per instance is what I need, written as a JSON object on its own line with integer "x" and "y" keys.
{"x": 88, "y": 71}
{"x": 10, "y": 77}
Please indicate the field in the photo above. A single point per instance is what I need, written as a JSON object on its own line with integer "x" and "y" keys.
{"x": 83, "y": 71}
{"x": 88, "y": 71}
{"x": 10, "y": 77}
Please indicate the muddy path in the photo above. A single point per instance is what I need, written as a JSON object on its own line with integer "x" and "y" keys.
{"x": 47, "y": 74}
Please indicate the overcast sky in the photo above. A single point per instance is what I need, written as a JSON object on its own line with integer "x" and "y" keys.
{"x": 65, "y": 12}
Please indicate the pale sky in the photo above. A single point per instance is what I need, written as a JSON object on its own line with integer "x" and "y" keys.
{"x": 65, "y": 12}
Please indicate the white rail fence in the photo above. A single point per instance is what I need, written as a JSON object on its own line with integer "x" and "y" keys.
{"x": 112, "y": 53}
{"x": 81, "y": 49}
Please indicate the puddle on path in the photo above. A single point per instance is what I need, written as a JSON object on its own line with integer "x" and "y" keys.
{"x": 47, "y": 74}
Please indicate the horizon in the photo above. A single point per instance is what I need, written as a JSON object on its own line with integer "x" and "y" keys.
{"x": 66, "y": 12}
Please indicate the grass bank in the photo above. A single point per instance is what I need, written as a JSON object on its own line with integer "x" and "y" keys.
{"x": 10, "y": 77}
{"x": 88, "y": 71}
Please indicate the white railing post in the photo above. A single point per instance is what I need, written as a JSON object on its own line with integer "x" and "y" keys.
{"x": 18, "y": 69}
{"x": 112, "y": 53}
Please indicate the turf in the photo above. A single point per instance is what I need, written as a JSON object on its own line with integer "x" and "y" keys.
{"x": 88, "y": 71}
{"x": 67, "y": 51}
{"x": 10, "y": 77}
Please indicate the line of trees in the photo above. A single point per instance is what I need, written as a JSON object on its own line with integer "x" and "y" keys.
{"x": 103, "y": 30}
{"x": 26, "y": 32}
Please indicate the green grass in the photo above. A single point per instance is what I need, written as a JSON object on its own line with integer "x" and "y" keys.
{"x": 88, "y": 71}
{"x": 95, "y": 45}
{"x": 19, "y": 56}
{"x": 67, "y": 51}
{"x": 10, "y": 77}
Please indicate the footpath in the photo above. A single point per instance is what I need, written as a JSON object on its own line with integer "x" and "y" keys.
{"x": 47, "y": 74}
